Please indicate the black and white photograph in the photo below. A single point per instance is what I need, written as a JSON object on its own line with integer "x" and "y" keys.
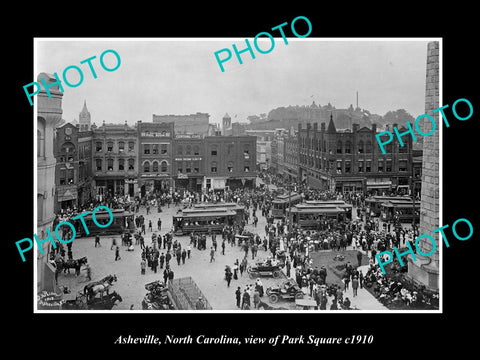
{"x": 226, "y": 181}
{"x": 285, "y": 182}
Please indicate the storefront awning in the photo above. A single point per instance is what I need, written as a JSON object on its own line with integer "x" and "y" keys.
{"x": 67, "y": 195}
{"x": 378, "y": 185}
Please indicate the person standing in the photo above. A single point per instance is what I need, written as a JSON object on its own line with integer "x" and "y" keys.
{"x": 346, "y": 280}
{"x": 150, "y": 225}
{"x": 238, "y": 296}
{"x": 179, "y": 256}
{"x": 159, "y": 223}
{"x": 355, "y": 285}
{"x": 162, "y": 260}
{"x": 228, "y": 277}
{"x": 114, "y": 243}
{"x": 154, "y": 264}
{"x": 117, "y": 254}
{"x": 256, "y": 299}
{"x": 359, "y": 258}
{"x": 246, "y": 300}
{"x": 212, "y": 254}
{"x": 184, "y": 255}
{"x": 189, "y": 249}
{"x": 223, "y": 247}
{"x": 97, "y": 240}
{"x": 143, "y": 265}
{"x": 165, "y": 275}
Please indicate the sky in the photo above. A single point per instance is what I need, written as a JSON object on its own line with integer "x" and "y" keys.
{"x": 181, "y": 76}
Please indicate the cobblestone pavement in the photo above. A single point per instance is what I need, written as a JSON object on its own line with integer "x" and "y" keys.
{"x": 209, "y": 276}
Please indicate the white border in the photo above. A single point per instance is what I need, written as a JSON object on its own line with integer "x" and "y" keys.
{"x": 272, "y": 312}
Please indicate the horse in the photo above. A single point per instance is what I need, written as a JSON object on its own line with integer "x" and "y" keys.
{"x": 74, "y": 264}
{"x": 105, "y": 303}
{"x": 90, "y": 290}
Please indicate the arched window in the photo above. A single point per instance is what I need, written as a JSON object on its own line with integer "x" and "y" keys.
{"x": 196, "y": 150}
{"x": 109, "y": 164}
{"x": 131, "y": 164}
{"x": 163, "y": 166}
{"x": 230, "y": 166}
{"x": 348, "y": 147}
{"x": 361, "y": 149}
{"x": 146, "y": 167}
{"x": 368, "y": 149}
{"x": 67, "y": 148}
{"x": 339, "y": 147}
{"x": 188, "y": 150}
{"x": 155, "y": 166}
{"x": 179, "y": 149}
{"x": 213, "y": 167}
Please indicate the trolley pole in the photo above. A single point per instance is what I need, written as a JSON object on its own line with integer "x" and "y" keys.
{"x": 413, "y": 192}
{"x": 289, "y": 208}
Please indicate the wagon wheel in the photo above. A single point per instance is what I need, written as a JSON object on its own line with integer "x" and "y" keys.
{"x": 299, "y": 295}
{"x": 273, "y": 298}
{"x": 268, "y": 291}
{"x": 277, "y": 274}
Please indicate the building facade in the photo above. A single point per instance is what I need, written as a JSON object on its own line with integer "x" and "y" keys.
{"x": 230, "y": 161}
{"x": 290, "y": 159}
{"x": 186, "y": 124}
{"x": 49, "y": 115}
{"x": 155, "y": 157}
{"x": 73, "y": 172}
{"x": 351, "y": 160}
{"x": 188, "y": 162}
{"x": 114, "y": 160}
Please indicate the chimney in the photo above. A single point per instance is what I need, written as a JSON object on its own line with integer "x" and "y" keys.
{"x": 374, "y": 128}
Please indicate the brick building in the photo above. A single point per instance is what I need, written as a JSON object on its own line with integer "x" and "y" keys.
{"x": 114, "y": 160}
{"x": 73, "y": 172}
{"x": 155, "y": 157}
{"x": 188, "y": 162}
{"x": 197, "y": 123}
{"x": 229, "y": 161}
{"x": 350, "y": 160}
{"x": 290, "y": 159}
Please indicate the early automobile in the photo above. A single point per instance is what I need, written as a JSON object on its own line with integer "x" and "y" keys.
{"x": 288, "y": 290}
{"x": 269, "y": 267}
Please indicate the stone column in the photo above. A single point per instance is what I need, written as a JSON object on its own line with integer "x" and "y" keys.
{"x": 426, "y": 269}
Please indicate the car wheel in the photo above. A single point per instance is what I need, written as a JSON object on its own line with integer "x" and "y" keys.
{"x": 276, "y": 274}
{"x": 273, "y": 298}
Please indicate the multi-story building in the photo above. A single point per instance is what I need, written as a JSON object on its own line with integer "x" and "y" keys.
{"x": 351, "y": 160}
{"x": 230, "y": 161}
{"x": 186, "y": 124}
{"x": 155, "y": 157}
{"x": 290, "y": 158}
{"x": 49, "y": 115}
{"x": 114, "y": 160}
{"x": 73, "y": 173}
{"x": 188, "y": 162}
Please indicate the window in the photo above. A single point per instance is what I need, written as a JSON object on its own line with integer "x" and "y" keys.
{"x": 163, "y": 166}
{"x": 131, "y": 146}
{"x": 146, "y": 167}
{"x": 131, "y": 164}
{"x": 229, "y": 149}
{"x": 230, "y": 166}
{"x": 348, "y": 167}
{"x": 40, "y": 138}
{"x": 163, "y": 149}
{"x": 121, "y": 146}
{"x": 98, "y": 146}
{"x": 213, "y": 150}
{"x": 317, "y": 146}
{"x": 180, "y": 166}
{"x": 368, "y": 166}
{"x": 360, "y": 166}
{"x": 389, "y": 148}
{"x": 155, "y": 149}
{"x": 196, "y": 150}
{"x": 213, "y": 167}
{"x": 179, "y": 150}
{"x": 67, "y": 148}
{"x": 380, "y": 165}
{"x": 369, "y": 147}
{"x": 339, "y": 167}
{"x": 246, "y": 154}
{"x": 188, "y": 150}
{"x": 361, "y": 150}
{"x": 109, "y": 146}
{"x": 70, "y": 176}
{"x": 196, "y": 166}
{"x": 402, "y": 165}
{"x": 109, "y": 164}
{"x": 155, "y": 166}
{"x": 246, "y": 168}
{"x": 98, "y": 164}
{"x": 146, "y": 149}
{"x": 121, "y": 164}
{"x": 339, "y": 147}
{"x": 63, "y": 177}
{"x": 188, "y": 167}
{"x": 389, "y": 166}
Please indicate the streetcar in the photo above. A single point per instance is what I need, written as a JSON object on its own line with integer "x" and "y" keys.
{"x": 308, "y": 216}
{"x": 281, "y": 203}
{"x": 374, "y": 203}
{"x": 203, "y": 220}
{"x": 239, "y": 209}
{"x": 122, "y": 222}
{"x": 393, "y": 210}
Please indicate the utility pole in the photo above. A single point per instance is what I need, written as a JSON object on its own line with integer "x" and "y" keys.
{"x": 412, "y": 187}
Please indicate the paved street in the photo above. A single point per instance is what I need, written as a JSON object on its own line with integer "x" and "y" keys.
{"x": 208, "y": 276}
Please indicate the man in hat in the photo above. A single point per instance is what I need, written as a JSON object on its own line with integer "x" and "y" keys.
{"x": 355, "y": 285}
{"x": 238, "y": 296}
{"x": 200, "y": 305}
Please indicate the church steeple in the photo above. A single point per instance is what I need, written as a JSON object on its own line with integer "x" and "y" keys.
{"x": 331, "y": 126}
{"x": 84, "y": 119}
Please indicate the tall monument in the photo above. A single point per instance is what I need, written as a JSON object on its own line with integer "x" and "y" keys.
{"x": 426, "y": 269}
